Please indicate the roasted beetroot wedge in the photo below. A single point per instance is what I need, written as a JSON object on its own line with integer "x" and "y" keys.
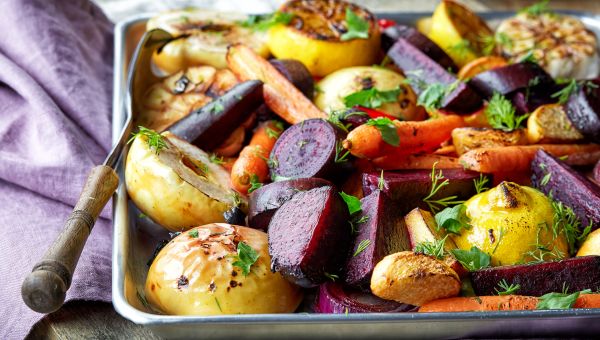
{"x": 583, "y": 109}
{"x": 421, "y": 68}
{"x": 510, "y": 78}
{"x": 297, "y": 74}
{"x": 381, "y": 232}
{"x": 408, "y": 188}
{"x": 306, "y": 149}
{"x": 574, "y": 190}
{"x": 419, "y": 40}
{"x": 266, "y": 200}
{"x": 210, "y": 125}
{"x": 309, "y": 236}
{"x": 576, "y": 274}
{"x": 338, "y": 299}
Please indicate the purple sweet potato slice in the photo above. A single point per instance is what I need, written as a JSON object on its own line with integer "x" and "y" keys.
{"x": 338, "y": 299}
{"x": 265, "y": 200}
{"x": 583, "y": 109}
{"x": 419, "y": 40}
{"x": 383, "y": 233}
{"x": 306, "y": 149}
{"x": 509, "y": 78}
{"x": 297, "y": 74}
{"x": 577, "y": 273}
{"x": 408, "y": 188}
{"x": 309, "y": 236}
{"x": 568, "y": 186}
{"x": 421, "y": 68}
{"x": 209, "y": 126}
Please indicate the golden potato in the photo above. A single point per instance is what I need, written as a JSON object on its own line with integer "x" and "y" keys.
{"x": 469, "y": 138}
{"x": 194, "y": 274}
{"x": 550, "y": 124}
{"x": 414, "y": 279}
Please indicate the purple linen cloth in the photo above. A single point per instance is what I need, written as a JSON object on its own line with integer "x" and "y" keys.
{"x": 55, "y": 102}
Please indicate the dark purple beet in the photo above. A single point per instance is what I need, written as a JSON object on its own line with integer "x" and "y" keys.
{"x": 386, "y": 233}
{"x": 336, "y": 298}
{"x": 265, "y": 200}
{"x": 567, "y": 186}
{"x": 297, "y": 74}
{"x": 419, "y": 40}
{"x": 418, "y": 66}
{"x": 306, "y": 149}
{"x": 309, "y": 236}
{"x": 209, "y": 126}
{"x": 583, "y": 109}
{"x": 509, "y": 78}
{"x": 353, "y": 118}
{"x": 577, "y": 273}
{"x": 596, "y": 173}
{"x": 537, "y": 97}
{"x": 408, "y": 188}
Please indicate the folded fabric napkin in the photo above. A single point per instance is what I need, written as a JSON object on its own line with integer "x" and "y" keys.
{"x": 55, "y": 125}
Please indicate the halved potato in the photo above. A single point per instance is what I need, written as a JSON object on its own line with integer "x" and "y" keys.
{"x": 550, "y": 124}
{"x": 468, "y": 138}
{"x": 179, "y": 187}
{"x": 414, "y": 279}
{"x": 194, "y": 274}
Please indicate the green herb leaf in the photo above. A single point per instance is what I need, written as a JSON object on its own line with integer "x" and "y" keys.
{"x": 565, "y": 93}
{"x": 559, "y": 300}
{"x": 480, "y": 183}
{"x": 506, "y": 289}
{"x": 453, "y": 219}
{"x": 473, "y": 259}
{"x": 537, "y": 8}
{"x": 352, "y": 202}
{"x": 358, "y": 28}
{"x": 461, "y": 49}
{"x": 432, "y": 96}
{"x": 438, "y": 182}
{"x": 435, "y": 248}
{"x": 341, "y": 154}
{"x": 361, "y": 247}
{"x": 381, "y": 182}
{"x": 500, "y": 114}
{"x": 265, "y": 21}
{"x": 154, "y": 139}
{"x": 387, "y": 129}
{"x": 565, "y": 221}
{"x": 372, "y": 98}
{"x": 332, "y": 277}
{"x": 245, "y": 258}
{"x": 193, "y": 233}
{"x": 254, "y": 183}
{"x": 354, "y": 222}
{"x": 529, "y": 57}
{"x": 213, "y": 158}
{"x": 218, "y": 304}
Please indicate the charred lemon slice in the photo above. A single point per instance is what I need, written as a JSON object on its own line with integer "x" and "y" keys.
{"x": 204, "y": 37}
{"x": 321, "y": 35}
{"x": 459, "y": 32}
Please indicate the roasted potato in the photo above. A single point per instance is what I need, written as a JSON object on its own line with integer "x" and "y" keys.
{"x": 468, "y": 138}
{"x": 550, "y": 124}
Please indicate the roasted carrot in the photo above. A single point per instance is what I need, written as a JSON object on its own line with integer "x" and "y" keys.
{"x": 420, "y": 161}
{"x": 280, "y": 94}
{"x": 495, "y": 303}
{"x": 252, "y": 162}
{"x": 447, "y": 150}
{"x": 366, "y": 141}
{"x": 479, "y": 65}
{"x": 517, "y": 157}
{"x": 233, "y": 144}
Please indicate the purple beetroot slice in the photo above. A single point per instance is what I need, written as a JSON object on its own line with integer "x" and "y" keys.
{"x": 583, "y": 109}
{"x": 509, "y": 78}
{"x": 383, "y": 233}
{"x": 418, "y": 66}
{"x": 577, "y": 273}
{"x": 419, "y": 40}
{"x": 309, "y": 237}
{"x": 335, "y": 298}
{"x": 550, "y": 174}
{"x": 297, "y": 74}
{"x": 265, "y": 200}
{"x": 306, "y": 149}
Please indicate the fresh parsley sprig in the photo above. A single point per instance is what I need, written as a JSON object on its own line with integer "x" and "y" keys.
{"x": 559, "y": 300}
{"x": 501, "y": 114}
{"x": 473, "y": 259}
{"x": 357, "y": 27}
{"x": 352, "y": 202}
{"x": 245, "y": 258}
{"x": 432, "y": 96}
{"x": 453, "y": 219}
{"x": 263, "y": 22}
{"x": 372, "y": 98}
{"x": 387, "y": 129}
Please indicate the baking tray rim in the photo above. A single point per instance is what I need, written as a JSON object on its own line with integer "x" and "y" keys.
{"x": 121, "y": 218}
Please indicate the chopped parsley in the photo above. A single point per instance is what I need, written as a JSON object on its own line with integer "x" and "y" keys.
{"x": 154, "y": 139}
{"x": 387, "y": 129}
{"x": 371, "y": 98}
{"x": 500, "y": 113}
{"x": 245, "y": 258}
{"x": 473, "y": 259}
{"x": 361, "y": 247}
{"x": 193, "y": 233}
{"x": 357, "y": 27}
{"x": 263, "y": 22}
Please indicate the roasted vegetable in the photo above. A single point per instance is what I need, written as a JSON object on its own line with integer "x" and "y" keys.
{"x": 422, "y": 227}
{"x": 202, "y": 38}
{"x": 509, "y": 78}
{"x": 175, "y": 183}
{"x": 549, "y": 124}
{"x": 200, "y": 272}
{"x": 413, "y": 279}
{"x": 591, "y": 245}
{"x": 583, "y": 109}
{"x": 309, "y": 237}
{"x": 512, "y": 224}
{"x": 297, "y": 74}
{"x": 337, "y": 299}
{"x": 574, "y": 274}
{"x": 417, "y": 162}
{"x": 480, "y": 65}
{"x": 326, "y": 35}
{"x": 465, "y": 139}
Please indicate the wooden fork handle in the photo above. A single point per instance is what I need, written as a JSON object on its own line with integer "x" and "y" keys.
{"x": 45, "y": 288}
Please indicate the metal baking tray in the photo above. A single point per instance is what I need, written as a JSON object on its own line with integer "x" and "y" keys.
{"x": 134, "y": 240}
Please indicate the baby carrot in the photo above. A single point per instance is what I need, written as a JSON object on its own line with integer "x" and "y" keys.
{"x": 480, "y": 303}
{"x": 420, "y": 161}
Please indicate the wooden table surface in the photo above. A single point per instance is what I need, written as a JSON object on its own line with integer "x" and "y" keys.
{"x": 97, "y": 320}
